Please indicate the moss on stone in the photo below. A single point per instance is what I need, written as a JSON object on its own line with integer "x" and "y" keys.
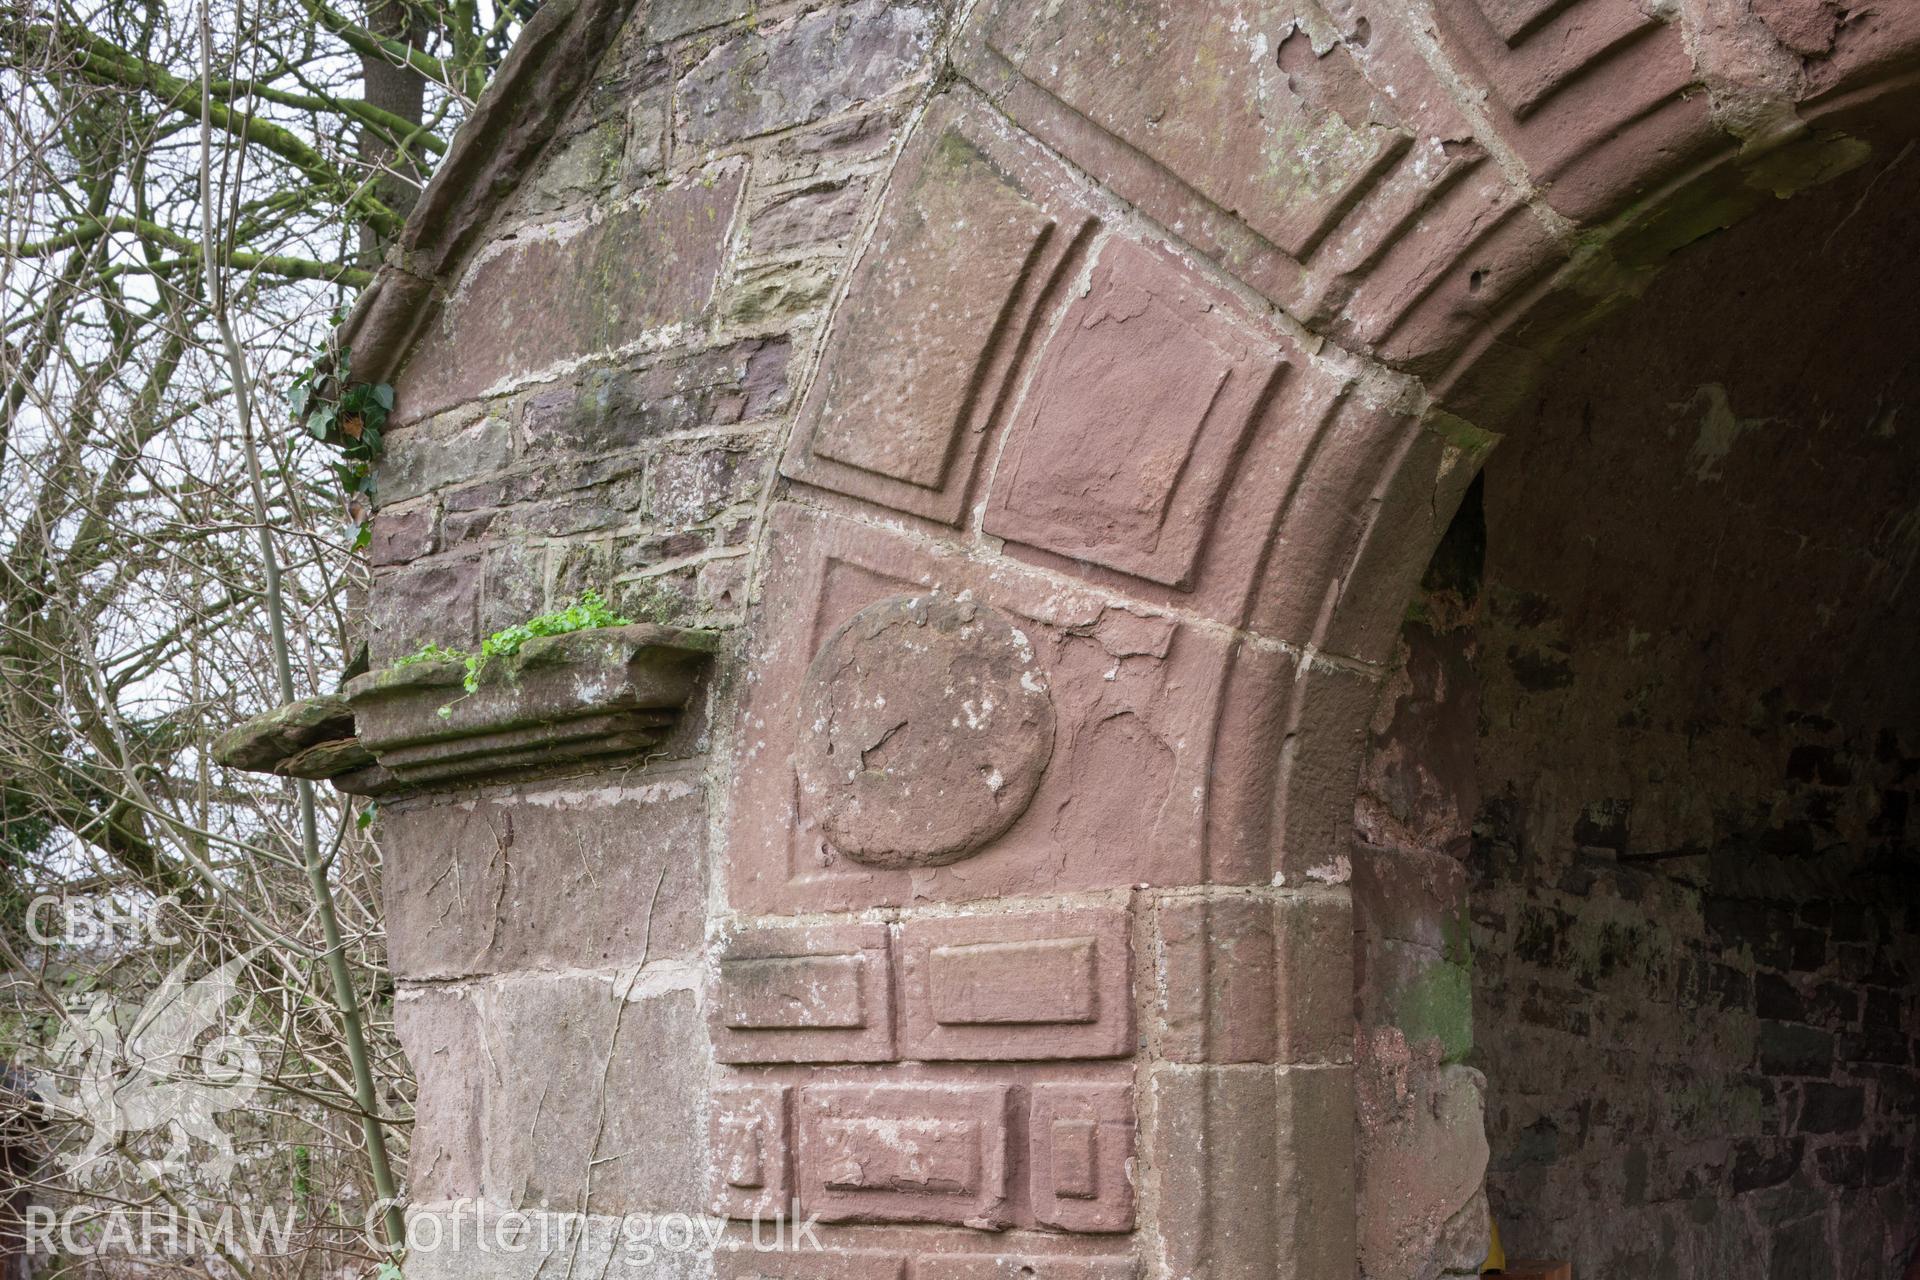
{"x": 1438, "y": 1005}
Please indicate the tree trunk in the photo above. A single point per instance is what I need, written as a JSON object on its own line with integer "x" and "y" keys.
{"x": 401, "y": 91}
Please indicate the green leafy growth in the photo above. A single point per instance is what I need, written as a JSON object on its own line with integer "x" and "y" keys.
{"x": 330, "y": 406}
{"x": 585, "y": 614}
{"x": 431, "y": 653}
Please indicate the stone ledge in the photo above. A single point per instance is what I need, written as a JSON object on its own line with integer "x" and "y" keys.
{"x": 559, "y": 701}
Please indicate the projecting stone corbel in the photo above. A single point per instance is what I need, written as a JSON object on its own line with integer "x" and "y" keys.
{"x": 559, "y": 702}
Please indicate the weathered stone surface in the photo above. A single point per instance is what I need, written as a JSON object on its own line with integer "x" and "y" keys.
{"x": 769, "y": 297}
{"x": 434, "y": 602}
{"x": 693, "y": 487}
{"x": 559, "y": 699}
{"x": 752, "y": 1156}
{"x": 808, "y": 67}
{"x": 824, "y": 212}
{"x": 822, "y": 994}
{"x": 554, "y": 55}
{"x": 403, "y": 536}
{"x": 939, "y": 309}
{"x": 1423, "y": 1154}
{"x": 925, "y": 726}
{"x": 667, "y": 19}
{"x": 1215, "y": 608}
{"x": 1081, "y": 1156}
{"x": 600, "y": 873}
{"x": 1807, "y": 27}
{"x": 609, "y": 409}
{"x": 441, "y": 1033}
{"x": 610, "y": 1122}
{"x": 1594, "y": 95}
{"x": 1253, "y": 1170}
{"x": 1134, "y": 734}
{"x": 1030, "y": 985}
{"x": 263, "y": 743}
{"x": 905, "y": 1153}
{"x": 441, "y": 452}
{"x": 1255, "y": 977}
{"x": 1142, "y": 403}
{"x": 571, "y": 290}
{"x": 327, "y": 760}
{"x": 1271, "y": 120}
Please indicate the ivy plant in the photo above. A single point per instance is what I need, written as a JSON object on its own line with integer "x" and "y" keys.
{"x": 330, "y": 406}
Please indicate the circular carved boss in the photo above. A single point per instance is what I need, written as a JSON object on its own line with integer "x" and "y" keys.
{"x": 925, "y": 725}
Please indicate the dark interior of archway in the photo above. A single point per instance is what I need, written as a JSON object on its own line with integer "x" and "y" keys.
{"x": 1662, "y": 703}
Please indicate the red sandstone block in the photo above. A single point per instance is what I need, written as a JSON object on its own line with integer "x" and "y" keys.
{"x": 1594, "y": 95}
{"x": 807, "y": 1264}
{"x": 1132, "y": 747}
{"x": 1081, "y": 1142}
{"x": 751, "y": 1160}
{"x": 1143, "y": 400}
{"x": 1053, "y": 984}
{"x": 545, "y": 878}
{"x": 969, "y": 253}
{"x": 809, "y": 994}
{"x": 1253, "y": 1166}
{"x": 1002, "y": 1266}
{"x": 440, "y": 1030}
{"x": 1256, "y": 977}
{"x": 905, "y": 1153}
{"x": 1266, "y": 92}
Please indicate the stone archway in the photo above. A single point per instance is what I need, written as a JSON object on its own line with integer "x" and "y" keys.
{"x": 1156, "y": 375}
{"x": 1204, "y": 516}
{"x": 1635, "y": 807}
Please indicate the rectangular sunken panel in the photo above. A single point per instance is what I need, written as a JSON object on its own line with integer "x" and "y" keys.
{"x": 1269, "y": 90}
{"x": 1144, "y": 399}
{"x": 1081, "y": 1136}
{"x": 792, "y": 993}
{"x": 938, "y": 309}
{"x": 1036, "y": 985}
{"x": 805, "y": 994}
{"x": 984, "y": 983}
{"x": 905, "y": 1153}
{"x": 751, "y": 1164}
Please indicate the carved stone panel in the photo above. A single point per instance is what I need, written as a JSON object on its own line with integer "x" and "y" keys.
{"x": 924, "y": 727}
{"x": 814, "y": 994}
{"x": 751, "y": 1160}
{"x": 971, "y": 242}
{"x": 1118, "y": 802}
{"x": 1207, "y": 93}
{"x": 1142, "y": 404}
{"x": 1026, "y": 986}
{"x": 905, "y": 1153}
{"x": 1081, "y": 1139}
